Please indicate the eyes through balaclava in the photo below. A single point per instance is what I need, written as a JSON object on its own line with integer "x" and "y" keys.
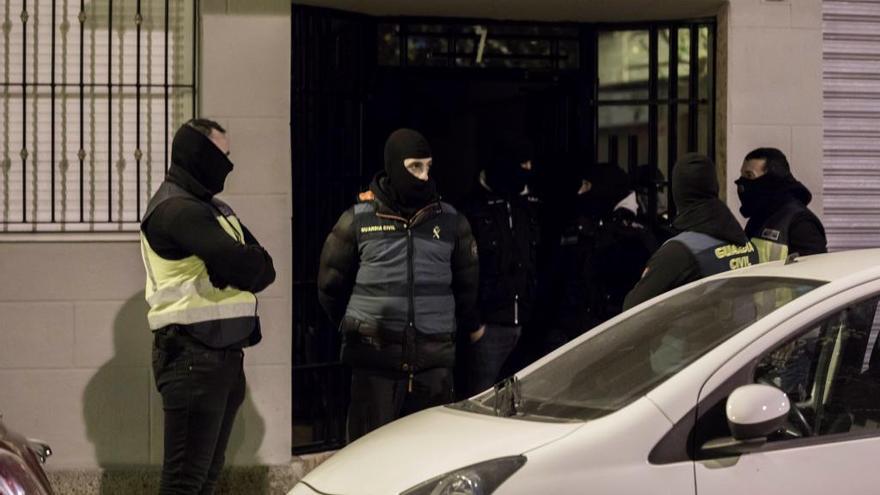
{"x": 418, "y": 167}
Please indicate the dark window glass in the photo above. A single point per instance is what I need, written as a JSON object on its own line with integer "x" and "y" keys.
{"x": 704, "y": 128}
{"x": 706, "y": 65}
{"x": 682, "y": 125}
{"x": 569, "y": 53}
{"x": 684, "y": 62}
{"x": 480, "y": 46}
{"x": 623, "y": 65}
{"x": 831, "y": 374}
{"x": 388, "y": 44}
{"x": 619, "y": 126}
{"x": 427, "y": 50}
{"x": 609, "y": 369}
{"x": 663, "y": 61}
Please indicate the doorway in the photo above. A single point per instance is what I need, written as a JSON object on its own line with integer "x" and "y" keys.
{"x": 633, "y": 95}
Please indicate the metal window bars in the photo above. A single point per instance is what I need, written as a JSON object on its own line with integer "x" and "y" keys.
{"x": 47, "y": 105}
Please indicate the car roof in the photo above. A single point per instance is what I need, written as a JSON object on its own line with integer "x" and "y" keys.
{"x": 824, "y": 267}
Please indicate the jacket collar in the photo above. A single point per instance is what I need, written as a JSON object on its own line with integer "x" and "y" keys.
{"x": 385, "y": 211}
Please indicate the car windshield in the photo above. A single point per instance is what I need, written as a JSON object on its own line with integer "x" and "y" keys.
{"x": 609, "y": 370}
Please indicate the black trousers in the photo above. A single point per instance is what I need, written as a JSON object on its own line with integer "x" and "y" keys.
{"x": 202, "y": 389}
{"x": 486, "y": 357}
{"x": 379, "y": 397}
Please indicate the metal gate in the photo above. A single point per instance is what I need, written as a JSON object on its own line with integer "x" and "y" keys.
{"x": 355, "y": 78}
{"x": 851, "y": 66}
{"x": 330, "y": 50}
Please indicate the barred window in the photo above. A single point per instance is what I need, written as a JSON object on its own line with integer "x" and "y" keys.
{"x": 91, "y": 94}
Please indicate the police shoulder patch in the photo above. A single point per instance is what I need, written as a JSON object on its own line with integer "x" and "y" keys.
{"x": 771, "y": 234}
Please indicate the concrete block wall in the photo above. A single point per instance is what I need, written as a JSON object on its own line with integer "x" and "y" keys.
{"x": 774, "y": 87}
{"x": 74, "y": 343}
{"x": 75, "y": 351}
{"x": 246, "y": 86}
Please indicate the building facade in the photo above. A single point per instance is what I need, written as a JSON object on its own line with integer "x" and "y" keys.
{"x": 800, "y": 75}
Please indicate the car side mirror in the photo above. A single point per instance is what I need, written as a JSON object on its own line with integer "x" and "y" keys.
{"x": 754, "y": 412}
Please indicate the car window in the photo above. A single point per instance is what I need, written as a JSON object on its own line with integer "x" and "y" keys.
{"x": 831, "y": 374}
{"x": 623, "y": 362}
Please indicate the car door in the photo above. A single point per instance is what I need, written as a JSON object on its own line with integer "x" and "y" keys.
{"x": 828, "y": 363}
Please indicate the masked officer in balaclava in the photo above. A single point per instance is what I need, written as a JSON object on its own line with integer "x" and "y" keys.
{"x": 398, "y": 275}
{"x": 203, "y": 267}
{"x": 711, "y": 240}
{"x": 776, "y": 205}
{"x": 621, "y": 246}
{"x": 505, "y": 223}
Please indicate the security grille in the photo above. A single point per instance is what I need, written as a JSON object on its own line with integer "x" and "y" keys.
{"x": 636, "y": 95}
{"x": 851, "y": 64}
{"x": 483, "y": 45}
{"x": 91, "y": 93}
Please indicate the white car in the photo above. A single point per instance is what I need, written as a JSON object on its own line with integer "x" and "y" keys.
{"x": 758, "y": 381}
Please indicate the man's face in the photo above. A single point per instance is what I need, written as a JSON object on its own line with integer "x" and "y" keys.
{"x": 752, "y": 169}
{"x": 220, "y": 140}
{"x": 419, "y": 167}
{"x": 586, "y": 186}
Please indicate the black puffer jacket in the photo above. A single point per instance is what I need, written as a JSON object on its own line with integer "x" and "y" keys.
{"x": 506, "y": 230}
{"x": 396, "y": 285}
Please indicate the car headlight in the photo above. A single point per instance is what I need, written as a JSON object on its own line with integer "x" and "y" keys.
{"x": 478, "y": 479}
{"x": 15, "y": 477}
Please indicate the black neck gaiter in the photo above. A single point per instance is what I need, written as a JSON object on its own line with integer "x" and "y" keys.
{"x": 195, "y": 153}
{"x": 758, "y": 196}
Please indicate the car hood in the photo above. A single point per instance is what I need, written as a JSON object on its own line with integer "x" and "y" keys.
{"x": 417, "y": 448}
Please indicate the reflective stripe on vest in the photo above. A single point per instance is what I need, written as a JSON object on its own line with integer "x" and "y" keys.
{"x": 769, "y": 250}
{"x": 716, "y": 256}
{"x": 180, "y": 291}
{"x": 772, "y": 237}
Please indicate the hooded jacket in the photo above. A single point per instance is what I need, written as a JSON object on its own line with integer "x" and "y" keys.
{"x": 711, "y": 240}
{"x": 505, "y": 226}
{"x": 181, "y": 220}
{"x": 781, "y": 216}
{"x": 601, "y": 253}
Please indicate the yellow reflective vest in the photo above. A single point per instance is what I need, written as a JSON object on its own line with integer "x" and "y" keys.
{"x": 180, "y": 291}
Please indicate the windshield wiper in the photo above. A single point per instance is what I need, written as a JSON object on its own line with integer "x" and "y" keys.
{"x": 508, "y": 397}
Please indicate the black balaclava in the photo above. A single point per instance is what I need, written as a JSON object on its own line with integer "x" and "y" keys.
{"x": 506, "y": 179}
{"x": 609, "y": 186}
{"x": 408, "y": 191}
{"x": 694, "y": 181}
{"x": 695, "y": 191}
{"x": 504, "y": 158}
{"x": 198, "y": 156}
{"x": 562, "y": 181}
{"x": 648, "y": 179}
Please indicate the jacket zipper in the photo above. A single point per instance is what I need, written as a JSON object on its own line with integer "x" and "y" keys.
{"x": 515, "y": 296}
{"x": 411, "y": 221}
{"x": 411, "y": 312}
{"x": 516, "y": 309}
{"x": 408, "y": 224}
